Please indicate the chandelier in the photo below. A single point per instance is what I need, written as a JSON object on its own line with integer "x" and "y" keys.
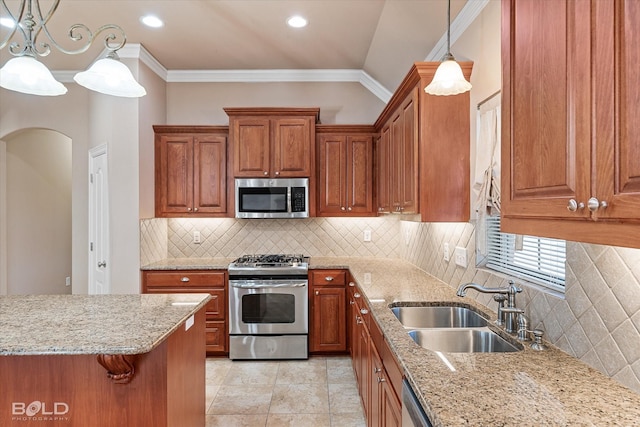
{"x": 29, "y": 38}
{"x": 448, "y": 79}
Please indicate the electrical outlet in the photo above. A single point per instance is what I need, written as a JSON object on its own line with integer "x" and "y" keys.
{"x": 367, "y": 278}
{"x": 461, "y": 256}
{"x": 445, "y": 252}
{"x": 367, "y": 235}
{"x": 196, "y": 237}
{"x": 67, "y": 281}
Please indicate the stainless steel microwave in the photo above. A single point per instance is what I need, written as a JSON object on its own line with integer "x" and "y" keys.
{"x": 272, "y": 198}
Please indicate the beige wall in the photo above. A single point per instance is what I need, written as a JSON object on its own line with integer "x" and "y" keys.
{"x": 68, "y": 115}
{"x": 38, "y": 199}
{"x": 203, "y": 103}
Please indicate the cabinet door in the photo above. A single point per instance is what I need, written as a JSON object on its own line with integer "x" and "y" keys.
{"x": 329, "y": 332}
{"x": 174, "y": 174}
{"x": 390, "y": 406}
{"x": 409, "y": 156}
{"x": 617, "y": 73}
{"x": 210, "y": 174}
{"x": 251, "y": 147}
{"x": 397, "y": 146}
{"x": 332, "y": 174}
{"x": 546, "y": 109}
{"x": 292, "y": 145}
{"x": 375, "y": 387}
{"x": 359, "y": 184}
{"x": 383, "y": 170}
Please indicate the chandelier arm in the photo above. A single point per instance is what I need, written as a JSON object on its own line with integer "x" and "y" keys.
{"x": 16, "y": 21}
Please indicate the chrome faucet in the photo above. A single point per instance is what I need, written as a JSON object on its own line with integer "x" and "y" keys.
{"x": 506, "y": 315}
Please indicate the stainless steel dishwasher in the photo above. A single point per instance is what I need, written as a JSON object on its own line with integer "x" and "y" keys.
{"x": 412, "y": 413}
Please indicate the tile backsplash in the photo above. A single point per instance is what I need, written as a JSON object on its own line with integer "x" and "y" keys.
{"x": 597, "y": 320}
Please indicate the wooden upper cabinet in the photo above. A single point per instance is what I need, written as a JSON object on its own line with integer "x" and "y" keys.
{"x": 272, "y": 142}
{"x": 191, "y": 171}
{"x": 428, "y": 165}
{"x": 570, "y": 151}
{"x": 345, "y": 170}
{"x": 251, "y": 147}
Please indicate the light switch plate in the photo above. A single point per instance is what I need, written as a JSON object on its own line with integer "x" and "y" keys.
{"x": 196, "y": 237}
{"x": 367, "y": 235}
{"x": 461, "y": 256}
{"x": 445, "y": 252}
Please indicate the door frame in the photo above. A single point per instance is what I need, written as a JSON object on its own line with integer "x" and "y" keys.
{"x": 93, "y": 154}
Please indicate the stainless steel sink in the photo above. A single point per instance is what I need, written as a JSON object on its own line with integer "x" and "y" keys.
{"x": 450, "y": 340}
{"x": 438, "y": 317}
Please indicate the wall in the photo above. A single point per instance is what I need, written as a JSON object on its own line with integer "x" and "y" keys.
{"x": 38, "y": 198}
{"x": 67, "y": 114}
{"x": 203, "y": 103}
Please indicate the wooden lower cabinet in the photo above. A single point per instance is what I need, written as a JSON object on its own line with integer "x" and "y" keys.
{"x": 378, "y": 383}
{"x": 197, "y": 281}
{"x": 328, "y": 311}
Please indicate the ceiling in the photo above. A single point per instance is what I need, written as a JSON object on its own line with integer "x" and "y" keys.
{"x": 381, "y": 37}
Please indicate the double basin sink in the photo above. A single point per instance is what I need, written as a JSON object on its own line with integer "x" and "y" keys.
{"x": 451, "y": 329}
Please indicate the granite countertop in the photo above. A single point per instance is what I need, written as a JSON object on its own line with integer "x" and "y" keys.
{"x": 219, "y": 263}
{"x": 525, "y": 388}
{"x": 91, "y": 324}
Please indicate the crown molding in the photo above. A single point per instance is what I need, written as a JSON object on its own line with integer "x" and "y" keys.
{"x": 465, "y": 18}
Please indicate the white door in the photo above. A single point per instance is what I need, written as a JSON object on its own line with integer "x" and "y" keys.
{"x": 99, "y": 264}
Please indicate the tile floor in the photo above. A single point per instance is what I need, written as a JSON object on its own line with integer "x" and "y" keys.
{"x": 319, "y": 392}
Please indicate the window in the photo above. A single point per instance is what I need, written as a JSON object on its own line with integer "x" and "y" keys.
{"x": 537, "y": 259}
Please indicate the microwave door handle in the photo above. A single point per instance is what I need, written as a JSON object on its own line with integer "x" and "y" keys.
{"x": 289, "y": 208}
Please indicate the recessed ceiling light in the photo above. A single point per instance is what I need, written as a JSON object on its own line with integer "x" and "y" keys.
{"x": 152, "y": 21}
{"x": 7, "y": 22}
{"x": 297, "y": 21}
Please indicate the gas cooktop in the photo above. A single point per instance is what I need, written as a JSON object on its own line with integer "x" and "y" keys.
{"x": 269, "y": 263}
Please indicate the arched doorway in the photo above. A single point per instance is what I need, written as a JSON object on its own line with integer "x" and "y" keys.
{"x": 35, "y": 199}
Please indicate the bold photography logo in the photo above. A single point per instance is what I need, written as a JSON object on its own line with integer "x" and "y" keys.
{"x": 39, "y": 411}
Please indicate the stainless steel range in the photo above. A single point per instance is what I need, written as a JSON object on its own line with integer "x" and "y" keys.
{"x": 269, "y": 307}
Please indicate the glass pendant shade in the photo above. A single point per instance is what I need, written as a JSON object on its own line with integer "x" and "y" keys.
{"x": 111, "y": 77}
{"x": 25, "y": 74}
{"x": 448, "y": 80}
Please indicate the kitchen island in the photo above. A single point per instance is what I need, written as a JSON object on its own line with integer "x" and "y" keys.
{"x": 102, "y": 360}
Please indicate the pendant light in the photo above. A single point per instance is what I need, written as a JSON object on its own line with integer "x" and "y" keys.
{"x": 448, "y": 79}
{"x": 25, "y": 74}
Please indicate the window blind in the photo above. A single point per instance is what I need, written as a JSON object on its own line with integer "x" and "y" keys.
{"x": 539, "y": 260}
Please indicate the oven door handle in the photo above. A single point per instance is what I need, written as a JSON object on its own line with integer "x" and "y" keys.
{"x": 267, "y": 285}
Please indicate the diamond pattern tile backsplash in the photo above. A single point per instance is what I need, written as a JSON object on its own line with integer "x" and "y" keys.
{"x": 597, "y": 320}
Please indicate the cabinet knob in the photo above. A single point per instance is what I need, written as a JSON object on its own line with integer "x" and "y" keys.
{"x": 352, "y": 302}
{"x": 376, "y": 370}
{"x": 189, "y": 209}
{"x": 349, "y": 208}
{"x": 593, "y": 204}
{"x": 328, "y": 279}
{"x": 317, "y": 292}
{"x": 381, "y": 380}
{"x": 358, "y": 320}
{"x": 195, "y": 209}
{"x": 574, "y": 206}
{"x": 277, "y": 173}
{"x": 184, "y": 279}
{"x": 356, "y": 295}
{"x": 364, "y": 311}
{"x": 265, "y": 173}
{"x": 351, "y": 284}
{"x": 342, "y": 208}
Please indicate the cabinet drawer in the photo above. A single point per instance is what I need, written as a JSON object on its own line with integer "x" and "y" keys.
{"x": 394, "y": 371}
{"x": 216, "y": 337}
{"x": 329, "y": 277}
{"x": 217, "y": 306}
{"x": 184, "y": 278}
